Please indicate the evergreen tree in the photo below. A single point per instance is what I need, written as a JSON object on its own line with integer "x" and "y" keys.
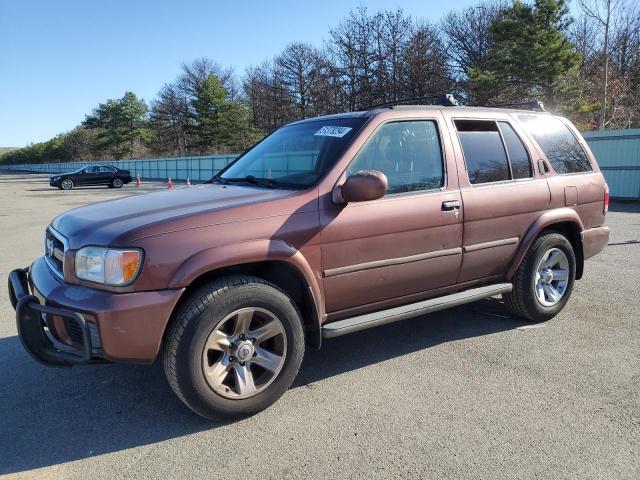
{"x": 530, "y": 55}
{"x": 120, "y": 124}
{"x": 220, "y": 123}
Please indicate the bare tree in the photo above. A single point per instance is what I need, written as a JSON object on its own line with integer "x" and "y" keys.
{"x": 426, "y": 70}
{"x": 170, "y": 120}
{"x": 602, "y": 12}
{"x": 300, "y": 68}
{"x": 467, "y": 36}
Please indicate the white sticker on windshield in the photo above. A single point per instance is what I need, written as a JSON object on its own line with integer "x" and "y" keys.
{"x": 333, "y": 131}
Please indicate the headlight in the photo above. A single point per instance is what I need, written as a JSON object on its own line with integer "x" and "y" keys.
{"x": 110, "y": 266}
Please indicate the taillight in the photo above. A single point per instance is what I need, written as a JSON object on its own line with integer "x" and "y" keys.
{"x": 606, "y": 198}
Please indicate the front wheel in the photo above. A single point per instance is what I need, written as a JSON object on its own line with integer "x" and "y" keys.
{"x": 116, "y": 183}
{"x": 66, "y": 184}
{"x": 544, "y": 281}
{"x": 234, "y": 348}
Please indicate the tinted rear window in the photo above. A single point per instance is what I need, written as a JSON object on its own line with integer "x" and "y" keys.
{"x": 518, "y": 156}
{"x": 483, "y": 151}
{"x": 557, "y": 142}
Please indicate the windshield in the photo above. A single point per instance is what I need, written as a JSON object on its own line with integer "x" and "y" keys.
{"x": 295, "y": 156}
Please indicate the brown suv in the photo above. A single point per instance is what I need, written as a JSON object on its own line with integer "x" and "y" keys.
{"x": 328, "y": 226}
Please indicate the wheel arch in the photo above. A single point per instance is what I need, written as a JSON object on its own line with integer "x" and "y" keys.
{"x": 274, "y": 261}
{"x": 564, "y": 221}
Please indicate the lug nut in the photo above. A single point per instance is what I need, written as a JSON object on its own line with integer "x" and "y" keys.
{"x": 231, "y": 359}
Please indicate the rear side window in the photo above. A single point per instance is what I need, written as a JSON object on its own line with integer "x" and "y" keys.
{"x": 557, "y": 142}
{"x": 518, "y": 156}
{"x": 483, "y": 151}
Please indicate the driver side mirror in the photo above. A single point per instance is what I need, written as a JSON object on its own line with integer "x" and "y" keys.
{"x": 362, "y": 186}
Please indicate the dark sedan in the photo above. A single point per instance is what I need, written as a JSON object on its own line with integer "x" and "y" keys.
{"x": 91, "y": 175}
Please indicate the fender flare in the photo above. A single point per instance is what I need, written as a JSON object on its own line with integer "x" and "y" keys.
{"x": 253, "y": 251}
{"x": 551, "y": 217}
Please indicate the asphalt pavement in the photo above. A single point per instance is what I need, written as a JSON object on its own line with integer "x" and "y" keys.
{"x": 464, "y": 393}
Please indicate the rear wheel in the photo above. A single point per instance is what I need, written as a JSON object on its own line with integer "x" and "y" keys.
{"x": 66, "y": 184}
{"x": 116, "y": 183}
{"x": 544, "y": 281}
{"x": 235, "y": 347}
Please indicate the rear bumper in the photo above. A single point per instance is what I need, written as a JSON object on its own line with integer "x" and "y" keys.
{"x": 92, "y": 325}
{"x": 594, "y": 240}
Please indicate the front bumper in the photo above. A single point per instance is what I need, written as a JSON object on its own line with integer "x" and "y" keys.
{"x": 54, "y": 183}
{"x": 30, "y": 320}
{"x": 122, "y": 327}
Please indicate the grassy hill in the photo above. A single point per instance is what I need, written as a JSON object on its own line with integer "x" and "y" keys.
{"x": 7, "y": 149}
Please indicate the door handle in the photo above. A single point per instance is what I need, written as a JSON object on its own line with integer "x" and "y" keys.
{"x": 450, "y": 205}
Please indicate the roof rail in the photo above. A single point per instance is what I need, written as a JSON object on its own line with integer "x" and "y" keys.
{"x": 536, "y": 105}
{"x": 444, "y": 99}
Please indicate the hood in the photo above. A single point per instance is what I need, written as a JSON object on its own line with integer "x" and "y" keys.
{"x": 130, "y": 218}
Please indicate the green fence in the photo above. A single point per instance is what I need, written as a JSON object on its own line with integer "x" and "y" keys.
{"x": 179, "y": 168}
{"x": 618, "y": 155}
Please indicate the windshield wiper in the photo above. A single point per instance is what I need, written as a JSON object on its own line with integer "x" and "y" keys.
{"x": 269, "y": 182}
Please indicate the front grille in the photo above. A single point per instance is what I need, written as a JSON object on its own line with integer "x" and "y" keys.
{"x": 54, "y": 248}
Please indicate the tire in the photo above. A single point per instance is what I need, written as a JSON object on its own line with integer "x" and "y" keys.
{"x": 196, "y": 343}
{"x": 116, "y": 183}
{"x": 532, "y": 297}
{"x": 66, "y": 184}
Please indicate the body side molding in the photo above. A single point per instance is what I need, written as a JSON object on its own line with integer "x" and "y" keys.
{"x": 494, "y": 243}
{"x": 390, "y": 261}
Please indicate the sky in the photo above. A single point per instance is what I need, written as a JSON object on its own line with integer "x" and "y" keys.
{"x": 59, "y": 59}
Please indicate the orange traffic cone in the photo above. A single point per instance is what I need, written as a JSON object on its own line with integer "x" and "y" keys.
{"x": 188, "y": 182}
{"x": 169, "y": 183}
{"x": 138, "y": 182}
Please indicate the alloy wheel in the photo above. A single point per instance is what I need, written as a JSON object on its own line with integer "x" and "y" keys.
{"x": 552, "y": 277}
{"x": 244, "y": 353}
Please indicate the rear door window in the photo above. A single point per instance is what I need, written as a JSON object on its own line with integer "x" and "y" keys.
{"x": 557, "y": 142}
{"x": 483, "y": 151}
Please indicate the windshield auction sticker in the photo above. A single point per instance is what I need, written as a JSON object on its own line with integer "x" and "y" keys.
{"x": 333, "y": 131}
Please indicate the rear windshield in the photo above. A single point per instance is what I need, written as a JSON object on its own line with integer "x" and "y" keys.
{"x": 557, "y": 142}
{"x": 296, "y": 156}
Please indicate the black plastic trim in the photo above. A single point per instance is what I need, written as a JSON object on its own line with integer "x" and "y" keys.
{"x": 31, "y": 329}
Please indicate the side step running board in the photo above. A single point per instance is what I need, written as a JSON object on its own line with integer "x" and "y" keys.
{"x": 362, "y": 322}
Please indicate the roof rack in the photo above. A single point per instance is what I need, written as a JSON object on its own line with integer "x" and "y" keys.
{"x": 536, "y": 105}
{"x": 444, "y": 99}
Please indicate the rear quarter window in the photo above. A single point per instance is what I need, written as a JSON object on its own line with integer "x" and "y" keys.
{"x": 557, "y": 142}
